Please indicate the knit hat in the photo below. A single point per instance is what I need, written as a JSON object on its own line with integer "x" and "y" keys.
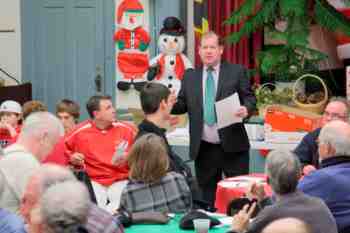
{"x": 172, "y": 26}
{"x": 129, "y": 6}
{"x": 11, "y": 106}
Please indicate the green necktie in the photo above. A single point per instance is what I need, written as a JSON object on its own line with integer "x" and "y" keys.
{"x": 209, "y": 101}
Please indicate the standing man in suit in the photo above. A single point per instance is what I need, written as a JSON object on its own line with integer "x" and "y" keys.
{"x": 215, "y": 150}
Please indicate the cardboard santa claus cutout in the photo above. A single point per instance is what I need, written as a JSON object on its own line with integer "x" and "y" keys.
{"x": 132, "y": 41}
{"x": 169, "y": 66}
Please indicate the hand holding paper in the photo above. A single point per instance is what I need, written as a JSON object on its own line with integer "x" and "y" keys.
{"x": 230, "y": 111}
{"x": 242, "y": 112}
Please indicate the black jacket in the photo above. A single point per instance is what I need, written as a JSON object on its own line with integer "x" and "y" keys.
{"x": 232, "y": 79}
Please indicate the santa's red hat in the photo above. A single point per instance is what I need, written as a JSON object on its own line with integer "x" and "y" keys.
{"x": 129, "y": 6}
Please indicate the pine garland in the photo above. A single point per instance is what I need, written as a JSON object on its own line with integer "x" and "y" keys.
{"x": 293, "y": 56}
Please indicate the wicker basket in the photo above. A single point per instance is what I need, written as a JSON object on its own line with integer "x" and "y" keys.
{"x": 316, "y": 107}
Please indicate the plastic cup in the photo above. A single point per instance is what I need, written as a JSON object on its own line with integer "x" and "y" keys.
{"x": 201, "y": 225}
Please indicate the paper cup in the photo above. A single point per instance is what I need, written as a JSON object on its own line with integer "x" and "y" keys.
{"x": 201, "y": 225}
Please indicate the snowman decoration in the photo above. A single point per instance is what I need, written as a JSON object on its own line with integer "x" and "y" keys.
{"x": 169, "y": 66}
{"x": 132, "y": 41}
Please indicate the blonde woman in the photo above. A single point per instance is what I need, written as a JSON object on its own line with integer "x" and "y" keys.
{"x": 151, "y": 187}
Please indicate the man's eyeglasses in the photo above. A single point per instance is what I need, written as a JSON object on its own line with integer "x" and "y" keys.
{"x": 334, "y": 115}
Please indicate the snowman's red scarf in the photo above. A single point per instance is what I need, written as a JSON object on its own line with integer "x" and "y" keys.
{"x": 179, "y": 67}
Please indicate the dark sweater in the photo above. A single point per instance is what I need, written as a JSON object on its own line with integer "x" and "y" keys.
{"x": 298, "y": 205}
{"x": 307, "y": 149}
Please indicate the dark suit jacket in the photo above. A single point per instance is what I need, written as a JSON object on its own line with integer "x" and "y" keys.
{"x": 296, "y": 205}
{"x": 232, "y": 78}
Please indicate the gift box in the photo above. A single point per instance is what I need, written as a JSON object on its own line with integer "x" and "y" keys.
{"x": 289, "y": 119}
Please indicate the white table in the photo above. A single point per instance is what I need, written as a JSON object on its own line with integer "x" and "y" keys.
{"x": 255, "y": 145}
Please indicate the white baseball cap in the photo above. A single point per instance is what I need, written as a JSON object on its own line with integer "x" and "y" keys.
{"x": 11, "y": 106}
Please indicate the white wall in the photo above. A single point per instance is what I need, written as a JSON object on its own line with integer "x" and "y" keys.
{"x": 10, "y": 42}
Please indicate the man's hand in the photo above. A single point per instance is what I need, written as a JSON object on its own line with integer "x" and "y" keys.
{"x": 242, "y": 112}
{"x": 256, "y": 191}
{"x": 307, "y": 169}
{"x": 240, "y": 221}
{"x": 5, "y": 125}
{"x": 77, "y": 159}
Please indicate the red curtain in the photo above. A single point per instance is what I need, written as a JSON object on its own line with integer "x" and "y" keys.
{"x": 243, "y": 52}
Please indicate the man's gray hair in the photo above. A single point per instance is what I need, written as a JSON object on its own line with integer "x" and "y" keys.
{"x": 288, "y": 225}
{"x": 50, "y": 174}
{"x": 39, "y": 122}
{"x": 64, "y": 207}
{"x": 337, "y": 135}
{"x": 284, "y": 170}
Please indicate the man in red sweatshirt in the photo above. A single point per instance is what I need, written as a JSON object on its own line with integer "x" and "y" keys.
{"x": 100, "y": 146}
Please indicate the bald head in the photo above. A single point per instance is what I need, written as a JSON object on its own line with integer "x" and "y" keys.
{"x": 287, "y": 225}
{"x": 43, "y": 178}
{"x": 49, "y": 174}
{"x": 39, "y": 134}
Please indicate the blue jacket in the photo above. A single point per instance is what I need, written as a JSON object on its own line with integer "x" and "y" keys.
{"x": 10, "y": 223}
{"x": 331, "y": 183}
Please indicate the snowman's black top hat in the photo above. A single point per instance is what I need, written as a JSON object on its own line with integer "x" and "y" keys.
{"x": 172, "y": 26}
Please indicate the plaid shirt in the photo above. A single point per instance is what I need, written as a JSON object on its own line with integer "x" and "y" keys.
{"x": 100, "y": 221}
{"x": 170, "y": 194}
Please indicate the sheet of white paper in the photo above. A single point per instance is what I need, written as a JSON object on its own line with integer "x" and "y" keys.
{"x": 226, "y": 109}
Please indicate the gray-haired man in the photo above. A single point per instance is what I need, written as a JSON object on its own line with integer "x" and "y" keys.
{"x": 331, "y": 181}
{"x": 98, "y": 220}
{"x": 40, "y": 132}
{"x": 64, "y": 207}
{"x": 338, "y": 108}
{"x": 283, "y": 171}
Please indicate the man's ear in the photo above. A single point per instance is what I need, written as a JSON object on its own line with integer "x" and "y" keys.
{"x": 330, "y": 149}
{"x": 162, "y": 104}
{"x": 94, "y": 114}
{"x": 221, "y": 48}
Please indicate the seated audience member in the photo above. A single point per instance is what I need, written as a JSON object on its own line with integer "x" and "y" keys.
{"x": 288, "y": 225}
{"x": 331, "y": 182}
{"x": 10, "y": 118}
{"x": 98, "y": 220}
{"x": 64, "y": 207}
{"x": 307, "y": 151}
{"x": 40, "y": 132}
{"x": 33, "y": 106}
{"x": 151, "y": 187}
{"x": 283, "y": 171}
{"x": 100, "y": 145}
{"x": 68, "y": 112}
{"x": 9, "y": 222}
{"x": 156, "y": 105}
